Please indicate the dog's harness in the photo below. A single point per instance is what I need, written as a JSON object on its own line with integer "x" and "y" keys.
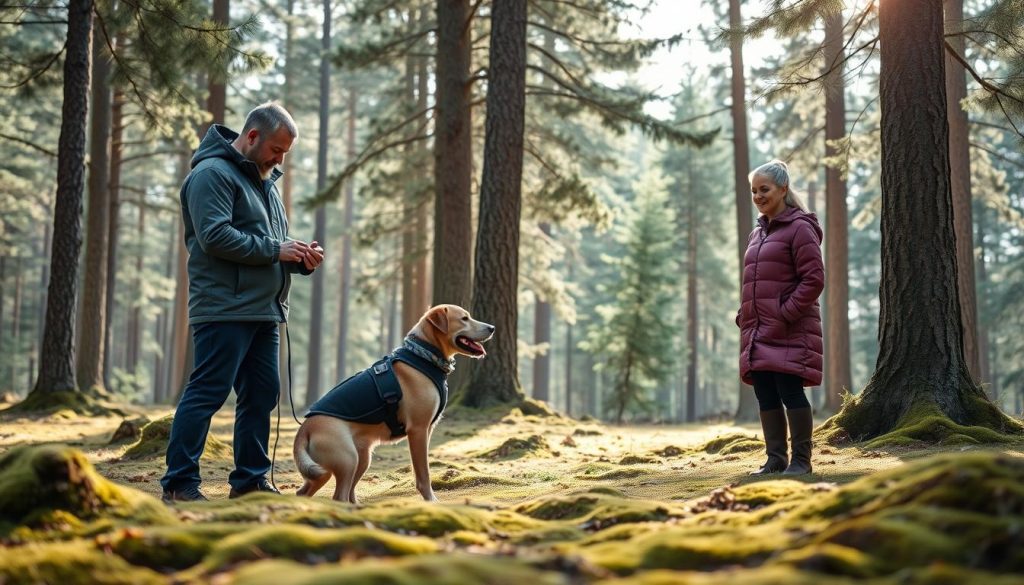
{"x": 372, "y": 395}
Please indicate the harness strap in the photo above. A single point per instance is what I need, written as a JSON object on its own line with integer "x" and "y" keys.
{"x": 390, "y": 392}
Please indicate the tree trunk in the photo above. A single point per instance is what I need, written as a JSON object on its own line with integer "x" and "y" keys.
{"x": 179, "y": 364}
{"x": 747, "y": 409}
{"x": 921, "y": 368}
{"x": 217, "y": 101}
{"x": 57, "y": 366}
{"x": 135, "y": 322}
{"x": 453, "y": 156}
{"x": 44, "y": 284}
{"x": 496, "y": 269}
{"x": 691, "y": 298}
{"x": 3, "y": 290}
{"x": 542, "y": 334}
{"x": 410, "y": 311}
{"x": 984, "y": 344}
{"x": 960, "y": 183}
{"x": 423, "y": 282}
{"x": 287, "y": 99}
{"x": 116, "y": 150}
{"x": 568, "y": 354}
{"x": 837, "y": 284}
{"x": 313, "y": 384}
{"x": 15, "y": 350}
{"x": 92, "y": 313}
{"x": 345, "y": 258}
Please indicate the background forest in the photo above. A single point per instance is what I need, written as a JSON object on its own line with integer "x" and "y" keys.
{"x": 641, "y": 122}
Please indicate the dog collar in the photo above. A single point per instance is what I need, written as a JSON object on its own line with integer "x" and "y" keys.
{"x": 430, "y": 353}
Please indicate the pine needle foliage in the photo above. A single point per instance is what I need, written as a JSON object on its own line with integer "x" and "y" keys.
{"x": 636, "y": 333}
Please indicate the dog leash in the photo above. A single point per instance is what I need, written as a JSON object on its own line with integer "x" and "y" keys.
{"x": 291, "y": 402}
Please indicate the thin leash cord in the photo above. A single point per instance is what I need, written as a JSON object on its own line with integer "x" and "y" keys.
{"x": 291, "y": 402}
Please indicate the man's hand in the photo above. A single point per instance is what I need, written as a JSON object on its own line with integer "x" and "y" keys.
{"x": 294, "y": 251}
{"x": 314, "y": 256}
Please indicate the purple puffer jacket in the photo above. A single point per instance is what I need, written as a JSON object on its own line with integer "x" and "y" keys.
{"x": 779, "y": 318}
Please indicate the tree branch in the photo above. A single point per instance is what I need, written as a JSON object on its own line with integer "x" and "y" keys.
{"x": 31, "y": 145}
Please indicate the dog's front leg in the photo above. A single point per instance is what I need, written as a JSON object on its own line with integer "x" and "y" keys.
{"x": 419, "y": 440}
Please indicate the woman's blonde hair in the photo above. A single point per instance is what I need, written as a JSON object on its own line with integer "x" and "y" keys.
{"x": 778, "y": 172}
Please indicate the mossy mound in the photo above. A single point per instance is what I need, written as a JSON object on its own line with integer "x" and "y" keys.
{"x": 129, "y": 430}
{"x": 70, "y": 563}
{"x": 426, "y": 518}
{"x": 732, "y": 443}
{"x": 532, "y": 407}
{"x": 155, "y": 435}
{"x": 312, "y": 546}
{"x": 586, "y": 432}
{"x": 926, "y": 424}
{"x": 37, "y": 482}
{"x": 168, "y": 549}
{"x": 514, "y": 448}
{"x": 449, "y": 569}
{"x": 74, "y": 402}
{"x": 637, "y": 460}
{"x": 592, "y": 511}
{"x": 987, "y": 483}
{"x": 453, "y": 479}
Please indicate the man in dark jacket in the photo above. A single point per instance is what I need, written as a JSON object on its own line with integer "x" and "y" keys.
{"x": 239, "y": 266}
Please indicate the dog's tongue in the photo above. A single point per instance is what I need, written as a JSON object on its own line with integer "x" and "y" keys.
{"x": 476, "y": 346}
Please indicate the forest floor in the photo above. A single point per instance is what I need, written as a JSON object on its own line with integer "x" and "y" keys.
{"x": 570, "y": 502}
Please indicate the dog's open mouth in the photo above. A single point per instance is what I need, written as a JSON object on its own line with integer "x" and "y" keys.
{"x": 470, "y": 346}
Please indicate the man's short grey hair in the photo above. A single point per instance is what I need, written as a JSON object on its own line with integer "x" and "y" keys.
{"x": 268, "y": 117}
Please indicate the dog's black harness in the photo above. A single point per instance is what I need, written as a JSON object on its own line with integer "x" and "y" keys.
{"x": 372, "y": 395}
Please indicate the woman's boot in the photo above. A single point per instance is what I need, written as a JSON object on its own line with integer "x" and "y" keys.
{"x": 773, "y": 424}
{"x": 801, "y": 424}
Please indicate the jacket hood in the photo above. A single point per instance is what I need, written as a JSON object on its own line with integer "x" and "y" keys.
{"x": 217, "y": 144}
{"x": 795, "y": 214}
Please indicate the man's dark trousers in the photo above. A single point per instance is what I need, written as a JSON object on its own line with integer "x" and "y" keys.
{"x": 241, "y": 354}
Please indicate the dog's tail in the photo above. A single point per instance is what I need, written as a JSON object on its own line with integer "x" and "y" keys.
{"x": 303, "y": 461}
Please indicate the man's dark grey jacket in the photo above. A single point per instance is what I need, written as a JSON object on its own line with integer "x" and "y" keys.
{"x": 234, "y": 226}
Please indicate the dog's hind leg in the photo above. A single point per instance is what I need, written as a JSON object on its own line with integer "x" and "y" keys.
{"x": 313, "y": 485}
{"x": 314, "y": 473}
{"x": 365, "y": 456}
{"x": 345, "y": 459}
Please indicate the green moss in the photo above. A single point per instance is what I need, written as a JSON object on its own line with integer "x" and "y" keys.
{"x": 73, "y": 402}
{"x": 453, "y": 479}
{"x": 425, "y": 518}
{"x": 168, "y": 549}
{"x": 36, "y": 481}
{"x": 155, "y": 435}
{"x": 515, "y": 448}
{"x": 532, "y": 407}
{"x": 830, "y": 559}
{"x": 620, "y": 474}
{"x": 69, "y": 563}
{"x": 449, "y": 569}
{"x": 732, "y": 443}
{"x": 311, "y": 545}
{"x": 637, "y": 460}
{"x": 764, "y": 493}
{"x": 596, "y": 512}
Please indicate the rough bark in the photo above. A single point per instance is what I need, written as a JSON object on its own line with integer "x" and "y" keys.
{"x": 542, "y": 334}
{"x": 692, "y": 321}
{"x": 453, "y": 155}
{"x": 93, "y": 309}
{"x": 313, "y": 384}
{"x": 837, "y": 284}
{"x": 496, "y": 285}
{"x": 747, "y": 409}
{"x": 57, "y": 366}
{"x": 345, "y": 258}
{"x": 179, "y": 364}
{"x": 921, "y": 370}
{"x": 960, "y": 182}
{"x": 114, "y": 221}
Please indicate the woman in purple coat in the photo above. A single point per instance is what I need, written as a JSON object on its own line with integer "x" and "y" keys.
{"x": 779, "y": 319}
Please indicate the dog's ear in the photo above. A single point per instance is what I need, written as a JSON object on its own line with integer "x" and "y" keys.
{"x": 439, "y": 318}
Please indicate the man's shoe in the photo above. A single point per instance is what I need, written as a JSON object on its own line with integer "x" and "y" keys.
{"x": 260, "y": 486}
{"x": 189, "y": 494}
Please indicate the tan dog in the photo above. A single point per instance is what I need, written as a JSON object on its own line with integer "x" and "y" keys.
{"x": 326, "y": 445}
